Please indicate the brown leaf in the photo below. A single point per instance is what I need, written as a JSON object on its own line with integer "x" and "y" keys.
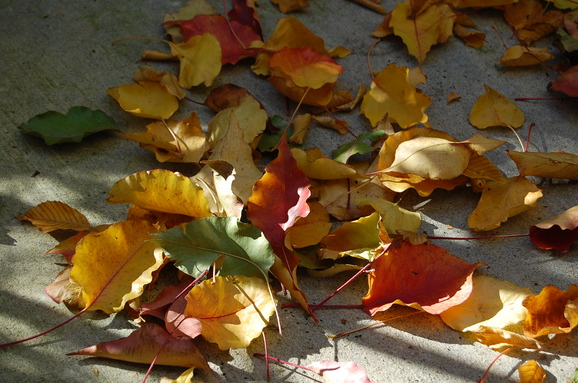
{"x": 55, "y": 215}
{"x": 552, "y": 311}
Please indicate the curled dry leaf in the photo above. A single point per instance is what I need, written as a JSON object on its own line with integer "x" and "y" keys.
{"x": 425, "y": 277}
{"x": 531, "y": 372}
{"x": 147, "y": 343}
{"x": 339, "y": 372}
{"x": 558, "y": 232}
{"x": 553, "y": 311}
{"x": 548, "y": 165}
{"x": 497, "y": 339}
{"x": 494, "y": 109}
{"x": 502, "y": 200}
{"x": 493, "y": 303}
{"x": 232, "y": 310}
{"x": 54, "y": 215}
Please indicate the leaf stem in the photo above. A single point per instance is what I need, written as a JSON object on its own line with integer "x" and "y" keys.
{"x": 494, "y": 361}
{"x": 482, "y": 237}
{"x": 259, "y": 355}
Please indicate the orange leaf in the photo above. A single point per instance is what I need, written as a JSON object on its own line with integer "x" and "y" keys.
{"x": 147, "y": 343}
{"x": 55, "y": 215}
{"x": 497, "y": 339}
{"x": 113, "y": 266}
{"x": 531, "y": 21}
{"x": 531, "y": 372}
{"x": 286, "y": 6}
{"x": 304, "y": 67}
{"x": 552, "y": 311}
{"x": 163, "y": 191}
{"x": 425, "y": 277}
{"x": 308, "y": 231}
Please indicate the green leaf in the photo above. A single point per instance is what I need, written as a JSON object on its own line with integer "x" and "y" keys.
{"x": 57, "y": 128}
{"x": 200, "y": 243}
{"x": 357, "y": 146}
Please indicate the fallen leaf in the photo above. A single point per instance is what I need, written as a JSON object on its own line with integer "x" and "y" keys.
{"x": 187, "y": 12}
{"x": 113, "y": 266}
{"x": 519, "y": 55}
{"x": 158, "y": 190}
{"x": 393, "y": 217}
{"x": 502, "y": 200}
{"x": 147, "y": 343}
{"x": 54, "y": 215}
{"x": 287, "y": 6}
{"x": 494, "y": 109}
{"x": 357, "y": 146}
{"x": 232, "y": 310}
{"x": 174, "y": 141}
{"x": 567, "y": 82}
{"x": 393, "y": 94}
{"x": 531, "y": 372}
{"x": 57, "y": 128}
{"x": 553, "y": 311}
{"x": 198, "y": 244}
{"x": 493, "y": 303}
{"x": 425, "y": 277}
{"x": 558, "y": 232}
{"x": 200, "y": 59}
{"x": 547, "y": 165}
{"x": 146, "y": 99}
{"x": 309, "y": 230}
{"x": 531, "y": 21}
{"x": 166, "y": 79}
{"x": 339, "y": 372}
{"x": 432, "y": 25}
{"x": 497, "y": 339}
{"x": 316, "y": 165}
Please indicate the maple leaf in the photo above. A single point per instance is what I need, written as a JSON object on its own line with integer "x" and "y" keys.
{"x": 54, "y": 215}
{"x": 425, "y": 277}
{"x": 291, "y": 33}
{"x": 339, "y": 372}
{"x": 558, "y": 232}
{"x": 174, "y": 141}
{"x": 157, "y": 190}
{"x": 200, "y": 243}
{"x": 492, "y": 303}
{"x": 531, "y": 21}
{"x": 552, "y": 311}
{"x": 500, "y": 201}
{"x": 57, "y": 128}
{"x": 309, "y": 230}
{"x": 519, "y": 55}
{"x": 548, "y": 165}
{"x": 234, "y": 38}
{"x": 393, "y": 93}
{"x": 567, "y": 82}
{"x": 494, "y": 109}
{"x": 149, "y": 343}
{"x": 419, "y": 32}
{"x": 232, "y": 310}
{"x": 200, "y": 59}
{"x": 531, "y": 372}
{"x": 145, "y": 99}
{"x": 126, "y": 261}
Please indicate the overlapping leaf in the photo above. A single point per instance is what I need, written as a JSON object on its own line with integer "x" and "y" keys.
{"x": 558, "y": 232}
{"x": 55, "y": 215}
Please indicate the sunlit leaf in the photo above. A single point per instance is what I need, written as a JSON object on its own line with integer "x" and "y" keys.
{"x": 498, "y": 339}
{"x": 360, "y": 234}
{"x": 232, "y": 310}
{"x": 79, "y": 122}
{"x": 553, "y": 311}
{"x": 531, "y": 372}
{"x": 339, "y": 372}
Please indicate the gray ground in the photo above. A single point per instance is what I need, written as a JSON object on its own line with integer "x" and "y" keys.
{"x": 58, "y": 54}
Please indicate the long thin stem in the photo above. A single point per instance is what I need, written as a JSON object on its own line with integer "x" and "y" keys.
{"x": 283, "y": 362}
{"x": 494, "y": 361}
{"x": 482, "y": 237}
{"x": 342, "y": 287}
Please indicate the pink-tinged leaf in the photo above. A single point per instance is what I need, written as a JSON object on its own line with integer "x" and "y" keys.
{"x": 57, "y": 290}
{"x": 558, "y": 232}
{"x": 158, "y": 307}
{"x": 339, "y": 372}
{"x": 144, "y": 344}
{"x": 180, "y": 325}
{"x": 567, "y": 82}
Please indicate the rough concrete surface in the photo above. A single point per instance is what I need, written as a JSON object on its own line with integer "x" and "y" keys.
{"x": 59, "y": 54}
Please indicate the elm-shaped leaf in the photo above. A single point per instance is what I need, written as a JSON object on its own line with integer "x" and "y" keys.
{"x": 56, "y": 128}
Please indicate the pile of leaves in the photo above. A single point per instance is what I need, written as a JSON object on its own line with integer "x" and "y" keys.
{"x": 238, "y": 234}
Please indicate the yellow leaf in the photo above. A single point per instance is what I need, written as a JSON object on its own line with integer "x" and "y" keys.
{"x": 519, "y": 55}
{"x": 286, "y": 6}
{"x": 232, "y": 310}
{"x": 497, "y": 339}
{"x": 113, "y": 266}
{"x": 174, "y": 141}
{"x": 166, "y": 79}
{"x": 360, "y": 234}
{"x": 531, "y": 372}
{"x": 200, "y": 59}
{"x": 309, "y": 230}
{"x": 316, "y": 165}
{"x": 393, "y": 217}
{"x": 146, "y": 99}
{"x": 500, "y": 201}
{"x": 420, "y": 32}
{"x": 493, "y": 303}
{"x": 54, "y": 215}
{"x": 392, "y": 93}
{"x": 163, "y": 191}
{"x": 548, "y": 165}
{"x": 494, "y": 109}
